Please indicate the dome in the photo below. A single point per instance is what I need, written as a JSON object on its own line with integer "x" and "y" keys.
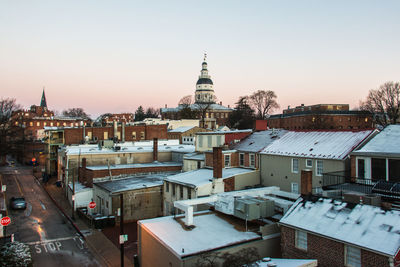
{"x": 204, "y": 81}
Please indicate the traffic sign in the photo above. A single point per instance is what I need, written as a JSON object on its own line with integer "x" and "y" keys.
{"x": 92, "y": 205}
{"x": 5, "y": 221}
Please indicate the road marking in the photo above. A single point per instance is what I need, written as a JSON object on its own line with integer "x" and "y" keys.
{"x": 19, "y": 187}
{"x": 51, "y": 240}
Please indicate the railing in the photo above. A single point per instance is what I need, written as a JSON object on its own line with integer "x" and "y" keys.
{"x": 343, "y": 181}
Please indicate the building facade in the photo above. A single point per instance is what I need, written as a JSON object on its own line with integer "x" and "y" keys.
{"x": 321, "y": 116}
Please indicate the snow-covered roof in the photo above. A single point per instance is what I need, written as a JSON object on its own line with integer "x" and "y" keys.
{"x": 226, "y": 132}
{"x": 203, "y": 176}
{"x": 317, "y": 144}
{"x": 286, "y": 262}
{"x": 79, "y": 187}
{"x": 181, "y": 129}
{"x": 126, "y": 148}
{"x": 365, "y": 226}
{"x": 385, "y": 143}
{"x": 134, "y": 165}
{"x": 259, "y": 140}
{"x": 196, "y": 107}
{"x": 211, "y": 232}
{"x": 132, "y": 183}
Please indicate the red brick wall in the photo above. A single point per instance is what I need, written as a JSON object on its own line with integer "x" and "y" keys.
{"x": 231, "y": 137}
{"x": 75, "y": 135}
{"x": 329, "y": 253}
{"x": 229, "y": 184}
{"x": 322, "y": 121}
{"x": 87, "y": 175}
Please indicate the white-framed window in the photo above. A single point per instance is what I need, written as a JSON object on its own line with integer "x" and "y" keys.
{"x": 301, "y": 240}
{"x": 252, "y": 160}
{"x": 295, "y": 165}
{"x": 352, "y": 256}
{"x": 166, "y": 186}
{"x": 227, "y": 160}
{"x": 308, "y": 163}
{"x": 319, "y": 168}
{"x": 295, "y": 188}
{"x": 241, "y": 159}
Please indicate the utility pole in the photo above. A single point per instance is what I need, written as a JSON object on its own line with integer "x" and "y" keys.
{"x": 73, "y": 195}
{"x": 121, "y": 226}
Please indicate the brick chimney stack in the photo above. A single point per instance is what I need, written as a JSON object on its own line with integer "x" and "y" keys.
{"x": 217, "y": 162}
{"x": 155, "y": 149}
{"x": 306, "y": 182}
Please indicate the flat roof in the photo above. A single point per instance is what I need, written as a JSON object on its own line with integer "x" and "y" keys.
{"x": 134, "y": 165}
{"x": 210, "y": 232}
{"x": 203, "y": 176}
{"x": 132, "y": 183}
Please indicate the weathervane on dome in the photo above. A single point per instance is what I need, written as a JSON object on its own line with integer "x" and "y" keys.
{"x": 205, "y": 56}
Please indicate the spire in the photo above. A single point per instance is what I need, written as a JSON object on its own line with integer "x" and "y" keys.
{"x": 43, "y": 100}
{"x": 205, "y": 57}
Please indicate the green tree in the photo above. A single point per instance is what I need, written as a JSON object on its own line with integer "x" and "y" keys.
{"x": 243, "y": 115}
{"x": 139, "y": 114}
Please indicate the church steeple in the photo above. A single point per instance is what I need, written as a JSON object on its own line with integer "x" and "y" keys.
{"x": 43, "y": 103}
{"x": 204, "y": 86}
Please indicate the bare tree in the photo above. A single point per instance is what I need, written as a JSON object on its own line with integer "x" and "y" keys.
{"x": 152, "y": 112}
{"x": 76, "y": 113}
{"x": 384, "y": 103}
{"x": 263, "y": 102}
{"x": 243, "y": 257}
{"x": 209, "y": 259}
{"x": 186, "y": 101}
{"x": 7, "y": 107}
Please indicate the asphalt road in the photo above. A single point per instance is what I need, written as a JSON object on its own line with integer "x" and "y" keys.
{"x": 51, "y": 237}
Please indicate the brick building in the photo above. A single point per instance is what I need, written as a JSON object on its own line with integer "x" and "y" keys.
{"x": 108, "y": 119}
{"x": 185, "y": 135}
{"x": 340, "y": 234}
{"x": 321, "y": 116}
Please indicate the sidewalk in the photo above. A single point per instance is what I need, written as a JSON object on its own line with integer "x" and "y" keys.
{"x": 104, "y": 250}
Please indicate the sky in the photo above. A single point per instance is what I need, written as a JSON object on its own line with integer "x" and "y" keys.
{"x": 112, "y": 56}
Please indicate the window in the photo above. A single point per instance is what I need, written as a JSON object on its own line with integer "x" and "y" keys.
{"x": 189, "y": 193}
{"x": 173, "y": 190}
{"x": 301, "y": 240}
{"x": 64, "y": 124}
{"x": 241, "y": 159}
{"x": 200, "y": 140}
{"x": 295, "y": 188}
{"x": 38, "y": 124}
{"x": 105, "y": 135}
{"x": 181, "y": 190}
{"x": 295, "y": 165}
{"x": 309, "y": 163}
{"x": 227, "y": 160}
{"x": 166, "y": 186}
{"x": 219, "y": 142}
{"x": 352, "y": 256}
{"x": 252, "y": 160}
{"x": 319, "y": 167}
{"x": 142, "y": 135}
{"x": 209, "y": 139}
{"x": 31, "y": 124}
{"x": 51, "y": 124}
{"x": 44, "y": 123}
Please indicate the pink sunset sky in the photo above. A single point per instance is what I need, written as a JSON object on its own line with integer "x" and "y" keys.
{"x": 112, "y": 56}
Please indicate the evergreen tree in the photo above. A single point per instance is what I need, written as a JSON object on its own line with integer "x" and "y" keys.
{"x": 139, "y": 114}
{"x": 243, "y": 115}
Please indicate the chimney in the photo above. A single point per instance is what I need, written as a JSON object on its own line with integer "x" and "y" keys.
{"x": 155, "y": 149}
{"x": 166, "y": 106}
{"x": 217, "y": 162}
{"x": 306, "y": 182}
{"x": 220, "y": 102}
{"x": 123, "y": 132}
{"x": 115, "y": 130}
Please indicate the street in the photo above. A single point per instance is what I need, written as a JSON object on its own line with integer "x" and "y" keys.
{"x": 52, "y": 239}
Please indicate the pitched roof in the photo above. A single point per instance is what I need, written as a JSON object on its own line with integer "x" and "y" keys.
{"x": 362, "y": 225}
{"x": 385, "y": 143}
{"x": 181, "y": 129}
{"x": 259, "y": 140}
{"x": 317, "y": 144}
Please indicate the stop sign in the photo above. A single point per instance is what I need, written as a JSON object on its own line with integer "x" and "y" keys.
{"x": 5, "y": 221}
{"x": 92, "y": 205}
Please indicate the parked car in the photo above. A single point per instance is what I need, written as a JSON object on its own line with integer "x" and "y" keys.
{"x": 17, "y": 203}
